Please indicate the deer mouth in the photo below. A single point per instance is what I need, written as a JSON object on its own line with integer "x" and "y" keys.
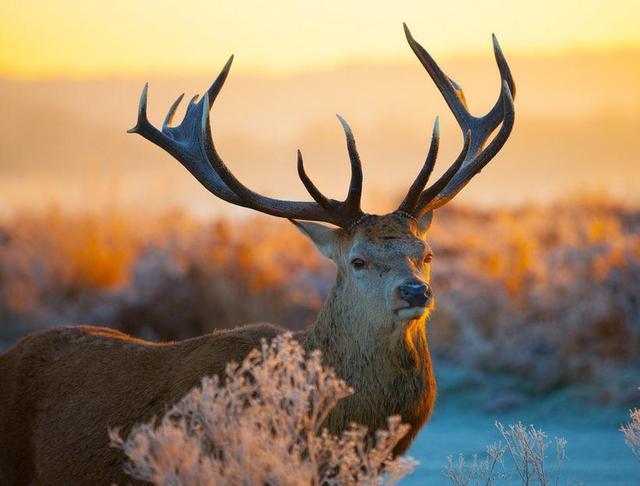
{"x": 410, "y": 313}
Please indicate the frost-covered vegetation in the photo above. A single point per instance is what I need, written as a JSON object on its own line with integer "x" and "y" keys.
{"x": 631, "y": 432}
{"x": 262, "y": 424}
{"x": 546, "y": 296}
{"x": 521, "y": 458}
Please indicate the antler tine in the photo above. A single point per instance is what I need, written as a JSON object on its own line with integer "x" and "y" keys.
{"x": 311, "y": 187}
{"x": 503, "y": 67}
{"x": 217, "y": 85}
{"x": 411, "y": 199}
{"x": 493, "y": 118}
{"x": 466, "y": 173}
{"x": 168, "y": 119}
{"x": 142, "y": 122}
{"x": 450, "y": 90}
{"x": 435, "y": 189}
{"x": 349, "y": 209}
{"x": 352, "y": 202}
{"x": 476, "y": 130}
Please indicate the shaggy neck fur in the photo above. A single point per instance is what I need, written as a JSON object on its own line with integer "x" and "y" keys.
{"x": 387, "y": 363}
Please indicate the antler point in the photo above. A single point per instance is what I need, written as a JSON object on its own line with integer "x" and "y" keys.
{"x": 496, "y": 44}
{"x": 172, "y": 111}
{"x": 344, "y": 124}
{"x": 142, "y": 110}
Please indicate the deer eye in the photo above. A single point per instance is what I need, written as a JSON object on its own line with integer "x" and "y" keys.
{"x": 358, "y": 263}
{"x": 428, "y": 258}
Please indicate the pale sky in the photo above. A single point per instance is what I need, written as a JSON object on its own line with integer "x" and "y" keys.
{"x": 88, "y": 38}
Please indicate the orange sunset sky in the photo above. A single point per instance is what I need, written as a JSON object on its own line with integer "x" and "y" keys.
{"x": 71, "y": 73}
{"x": 122, "y": 37}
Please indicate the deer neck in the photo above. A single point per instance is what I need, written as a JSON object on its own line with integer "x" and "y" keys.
{"x": 363, "y": 347}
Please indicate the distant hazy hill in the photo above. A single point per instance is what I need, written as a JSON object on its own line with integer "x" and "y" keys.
{"x": 577, "y": 129}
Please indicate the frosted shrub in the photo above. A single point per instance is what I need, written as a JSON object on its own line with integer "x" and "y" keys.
{"x": 523, "y": 456}
{"x": 527, "y": 448}
{"x": 477, "y": 472}
{"x": 631, "y": 432}
{"x": 264, "y": 426}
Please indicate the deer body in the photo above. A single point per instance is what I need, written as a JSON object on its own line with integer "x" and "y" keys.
{"x": 62, "y": 389}
{"x": 57, "y": 404}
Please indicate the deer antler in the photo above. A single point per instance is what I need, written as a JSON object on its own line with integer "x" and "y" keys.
{"x": 476, "y": 131}
{"x": 191, "y": 144}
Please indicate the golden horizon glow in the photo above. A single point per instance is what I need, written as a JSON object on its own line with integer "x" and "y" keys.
{"x": 40, "y": 39}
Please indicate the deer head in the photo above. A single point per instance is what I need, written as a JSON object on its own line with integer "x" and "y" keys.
{"x": 383, "y": 261}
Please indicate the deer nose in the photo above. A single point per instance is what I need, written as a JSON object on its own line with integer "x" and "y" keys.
{"x": 415, "y": 293}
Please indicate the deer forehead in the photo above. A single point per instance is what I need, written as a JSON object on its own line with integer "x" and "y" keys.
{"x": 389, "y": 250}
{"x": 386, "y": 238}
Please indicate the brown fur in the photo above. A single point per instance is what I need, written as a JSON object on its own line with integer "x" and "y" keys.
{"x": 61, "y": 389}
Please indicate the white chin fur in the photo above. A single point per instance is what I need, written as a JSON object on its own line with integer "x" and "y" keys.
{"x": 411, "y": 313}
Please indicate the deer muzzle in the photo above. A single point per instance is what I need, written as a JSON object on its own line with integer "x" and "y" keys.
{"x": 416, "y": 293}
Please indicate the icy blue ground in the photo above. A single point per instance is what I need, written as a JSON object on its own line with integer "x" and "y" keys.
{"x": 596, "y": 450}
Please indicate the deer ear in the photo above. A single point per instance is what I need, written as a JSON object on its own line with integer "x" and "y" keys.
{"x": 322, "y": 236}
{"x": 424, "y": 223}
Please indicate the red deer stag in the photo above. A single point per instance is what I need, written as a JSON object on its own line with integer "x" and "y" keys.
{"x": 61, "y": 389}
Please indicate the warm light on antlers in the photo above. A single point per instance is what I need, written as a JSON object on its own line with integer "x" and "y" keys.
{"x": 190, "y": 142}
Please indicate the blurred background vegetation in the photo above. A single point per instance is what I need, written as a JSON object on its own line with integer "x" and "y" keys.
{"x": 541, "y": 297}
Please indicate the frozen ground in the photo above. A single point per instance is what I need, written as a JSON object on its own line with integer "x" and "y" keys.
{"x": 596, "y": 452}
